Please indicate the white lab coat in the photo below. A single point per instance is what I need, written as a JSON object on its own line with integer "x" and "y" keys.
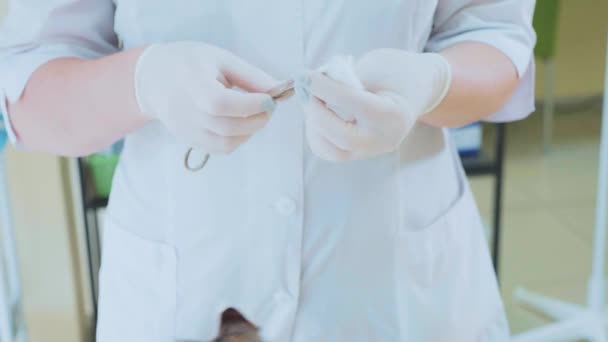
{"x": 387, "y": 249}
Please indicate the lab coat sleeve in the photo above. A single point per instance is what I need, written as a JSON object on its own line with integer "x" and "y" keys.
{"x": 36, "y": 32}
{"x": 503, "y": 24}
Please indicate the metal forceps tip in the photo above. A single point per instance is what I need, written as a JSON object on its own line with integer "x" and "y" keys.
{"x": 280, "y": 93}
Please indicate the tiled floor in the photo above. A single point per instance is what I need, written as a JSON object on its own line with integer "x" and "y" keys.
{"x": 549, "y": 210}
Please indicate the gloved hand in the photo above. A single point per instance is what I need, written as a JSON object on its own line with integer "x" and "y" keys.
{"x": 187, "y": 86}
{"x": 350, "y": 122}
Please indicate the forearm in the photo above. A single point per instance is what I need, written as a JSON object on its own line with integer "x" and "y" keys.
{"x": 75, "y": 107}
{"x": 483, "y": 79}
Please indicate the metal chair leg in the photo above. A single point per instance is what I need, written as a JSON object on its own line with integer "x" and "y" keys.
{"x": 548, "y": 104}
{"x": 498, "y": 187}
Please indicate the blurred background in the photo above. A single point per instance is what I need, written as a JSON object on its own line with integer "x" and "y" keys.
{"x": 547, "y": 190}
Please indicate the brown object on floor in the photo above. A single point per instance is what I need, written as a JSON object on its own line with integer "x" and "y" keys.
{"x": 236, "y": 328}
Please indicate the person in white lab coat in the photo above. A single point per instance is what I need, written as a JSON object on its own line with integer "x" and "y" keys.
{"x": 342, "y": 216}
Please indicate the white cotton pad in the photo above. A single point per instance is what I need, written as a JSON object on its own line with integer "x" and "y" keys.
{"x": 342, "y": 69}
{"x": 339, "y": 68}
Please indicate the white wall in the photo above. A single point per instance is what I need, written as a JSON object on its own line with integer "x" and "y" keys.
{"x": 42, "y": 237}
{"x": 581, "y": 43}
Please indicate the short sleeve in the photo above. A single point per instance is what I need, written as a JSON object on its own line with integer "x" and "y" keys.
{"x": 503, "y": 24}
{"x": 36, "y": 32}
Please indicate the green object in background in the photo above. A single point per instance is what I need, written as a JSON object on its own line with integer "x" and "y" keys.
{"x": 101, "y": 169}
{"x": 545, "y": 23}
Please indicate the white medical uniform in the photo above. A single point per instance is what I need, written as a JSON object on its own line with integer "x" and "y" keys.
{"x": 386, "y": 249}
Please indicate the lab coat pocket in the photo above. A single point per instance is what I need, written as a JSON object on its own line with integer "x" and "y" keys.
{"x": 445, "y": 278}
{"x": 137, "y": 288}
{"x": 423, "y": 252}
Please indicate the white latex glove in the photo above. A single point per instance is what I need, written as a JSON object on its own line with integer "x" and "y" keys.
{"x": 346, "y": 122}
{"x": 187, "y": 86}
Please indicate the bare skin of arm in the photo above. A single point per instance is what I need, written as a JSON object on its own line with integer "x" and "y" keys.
{"x": 74, "y": 107}
{"x": 483, "y": 79}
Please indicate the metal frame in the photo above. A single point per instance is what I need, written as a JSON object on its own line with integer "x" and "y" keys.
{"x": 549, "y": 103}
{"x": 494, "y": 166}
{"x": 79, "y": 242}
{"x": 501, "y": 132}
{"x": 12, "y": 320}
{"x": 91, "y": 233}
{"x": 6, "y": 316}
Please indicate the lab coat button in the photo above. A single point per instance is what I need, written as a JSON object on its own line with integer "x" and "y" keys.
{"x": 285, "y": 206}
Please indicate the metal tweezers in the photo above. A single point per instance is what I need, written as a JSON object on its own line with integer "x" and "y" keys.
{"x": 279, "y": 93}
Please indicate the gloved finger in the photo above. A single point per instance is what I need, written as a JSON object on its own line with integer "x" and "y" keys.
{"x": 324, "y": 149}
{"x": 207, "y": 141}
{"x": 244, "y": 75}
{"x": 344, "y": 135}
{"x": 216, "y": 144}
{"x": 232, "y": 103}
{"x": 233, "y": 127}
{"x": 360, "y": 103}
